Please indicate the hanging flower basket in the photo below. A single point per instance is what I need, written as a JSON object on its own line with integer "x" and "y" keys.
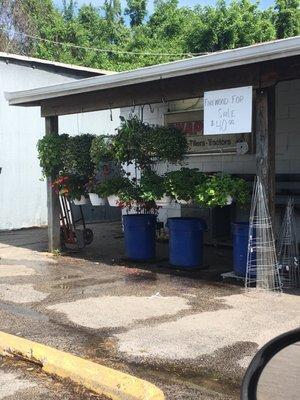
{"x": 81, "y": 201}
{"x": 184, "y": 202}
{"x": 229, "y": 200}
{"x": 164, "y": 201}
{"x": 113, "y": 200}
{"x": 96, "y": 200}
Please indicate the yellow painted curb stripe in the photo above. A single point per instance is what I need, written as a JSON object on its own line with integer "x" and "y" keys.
{"x": 102, "y": 380}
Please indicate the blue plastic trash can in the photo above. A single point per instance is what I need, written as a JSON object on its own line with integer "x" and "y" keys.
{"x": 186, "y": 241}
{"x": 240, "y": 232}
{"x": 139, "y": 233}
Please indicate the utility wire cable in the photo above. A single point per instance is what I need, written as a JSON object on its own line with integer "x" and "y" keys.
{"x": 56, "y": 42}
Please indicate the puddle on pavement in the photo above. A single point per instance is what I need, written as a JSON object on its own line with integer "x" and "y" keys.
{"x": 83, "y": 283}
{"x": 22, "y": 311}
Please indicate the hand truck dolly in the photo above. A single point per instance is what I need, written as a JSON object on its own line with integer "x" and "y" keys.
{"x": 71, "y": 237}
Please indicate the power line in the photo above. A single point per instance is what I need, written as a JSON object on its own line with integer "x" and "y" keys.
{"x": 104, "y": 50}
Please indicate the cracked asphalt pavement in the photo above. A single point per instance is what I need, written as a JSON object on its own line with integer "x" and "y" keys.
{"x": 189, "y": 333}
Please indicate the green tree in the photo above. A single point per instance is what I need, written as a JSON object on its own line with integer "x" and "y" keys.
{"x": 241, "y": 23}
{"x": 287, "y": 18}
{"x": 99, "y": 37}
{"x": 137, "y": 11}
{"x": 69, "y": 9}
{"x": 112, "y": 11}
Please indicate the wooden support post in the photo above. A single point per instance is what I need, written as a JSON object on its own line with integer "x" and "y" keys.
{"x": 265, "y": 143}
{"x": 51, "y": 124}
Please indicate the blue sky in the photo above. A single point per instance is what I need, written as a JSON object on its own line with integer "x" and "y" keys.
{"x": 190, "y": 3}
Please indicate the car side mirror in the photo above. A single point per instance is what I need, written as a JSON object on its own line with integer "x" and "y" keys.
{"x": 274, "y": 372}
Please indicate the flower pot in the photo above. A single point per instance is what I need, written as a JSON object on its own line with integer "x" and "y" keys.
{"x": 113, "y": 200}
{"x": 96, "y": 200}
{"x": 81, "y": 202}
{"x": 229, "y": 200}
{"x": 164, "y": 201}
{"x": 139, "y": 234}
{"x": 184, "y": 202}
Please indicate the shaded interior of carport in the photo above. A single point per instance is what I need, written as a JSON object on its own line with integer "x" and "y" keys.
{"x": 263, "y": 69}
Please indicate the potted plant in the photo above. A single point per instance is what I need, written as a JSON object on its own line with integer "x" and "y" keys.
{"x": 51, "y": 151}
{"x": 140, "y": 226}
{"x": 101, "y": 150}
{"x": 153, "y": 188}
{"x": 133, "y": 143}
{"x": 74, "y": 187}
{"x": 77, "y": 159}
{"x": 181, "y": 184}
{"x": 92, "y": 187}
{"x": 221, "y": 190}
{"x": 169, "y": 144}
{"x": 186, "y": 234}
{"x": 111, "y": 189}
{"x": 142, "y": 145}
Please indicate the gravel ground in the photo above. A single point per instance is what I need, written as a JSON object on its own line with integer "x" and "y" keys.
{"x": 20, "y": 380}
{"x": 21, "y": 293}
{"x": 186, "y": 332}
{"x": 18, "y": 270}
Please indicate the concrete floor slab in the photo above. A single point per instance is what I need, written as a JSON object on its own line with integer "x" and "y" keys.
{"x": 10, "y": 384}
{"x": 257, "y": 318}
{"x": 15, "y": 270}
{"x": 20, "y": 293}
{"x": 119, "y": 311}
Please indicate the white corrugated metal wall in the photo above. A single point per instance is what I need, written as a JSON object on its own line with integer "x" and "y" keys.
{"x": 22, "y": 193}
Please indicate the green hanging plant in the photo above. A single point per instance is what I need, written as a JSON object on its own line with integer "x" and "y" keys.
{"x": 51, "y": 153}
{"x": 133, "y": 143}
{"x": 152, "y": 186}
{"x": 240, "y": 191}
{"x": 221, "y": 190}
{"x": 101, "y": 150}
{"x": 143, "y": 144}
{"x": 169, "y": 144}
{"x": 112, "y": 186}
{"x": 181, "y": 184}
{"x": 77, "y": 159}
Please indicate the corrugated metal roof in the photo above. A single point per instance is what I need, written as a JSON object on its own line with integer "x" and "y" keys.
{"x": 276, "y": 49}
{"x": 32, "y": 60}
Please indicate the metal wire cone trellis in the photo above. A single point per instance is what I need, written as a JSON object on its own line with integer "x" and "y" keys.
{"x": 262, "y": 265}
{"x": 288, "y": 254}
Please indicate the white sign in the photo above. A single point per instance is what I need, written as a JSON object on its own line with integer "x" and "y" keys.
{"x": 228, "y": 111}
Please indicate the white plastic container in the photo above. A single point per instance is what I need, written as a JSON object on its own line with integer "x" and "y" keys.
{"x": 96, "y": 200}
{"x": 164, "y": 201}
{"x": 81, "y": 202}
{"x": 113, "y": 200}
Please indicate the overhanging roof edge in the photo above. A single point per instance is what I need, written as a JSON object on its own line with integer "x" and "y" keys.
{"x": 225, "y": 59}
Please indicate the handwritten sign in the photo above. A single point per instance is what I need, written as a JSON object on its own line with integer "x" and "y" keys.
{"x": 228, "y": 111}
